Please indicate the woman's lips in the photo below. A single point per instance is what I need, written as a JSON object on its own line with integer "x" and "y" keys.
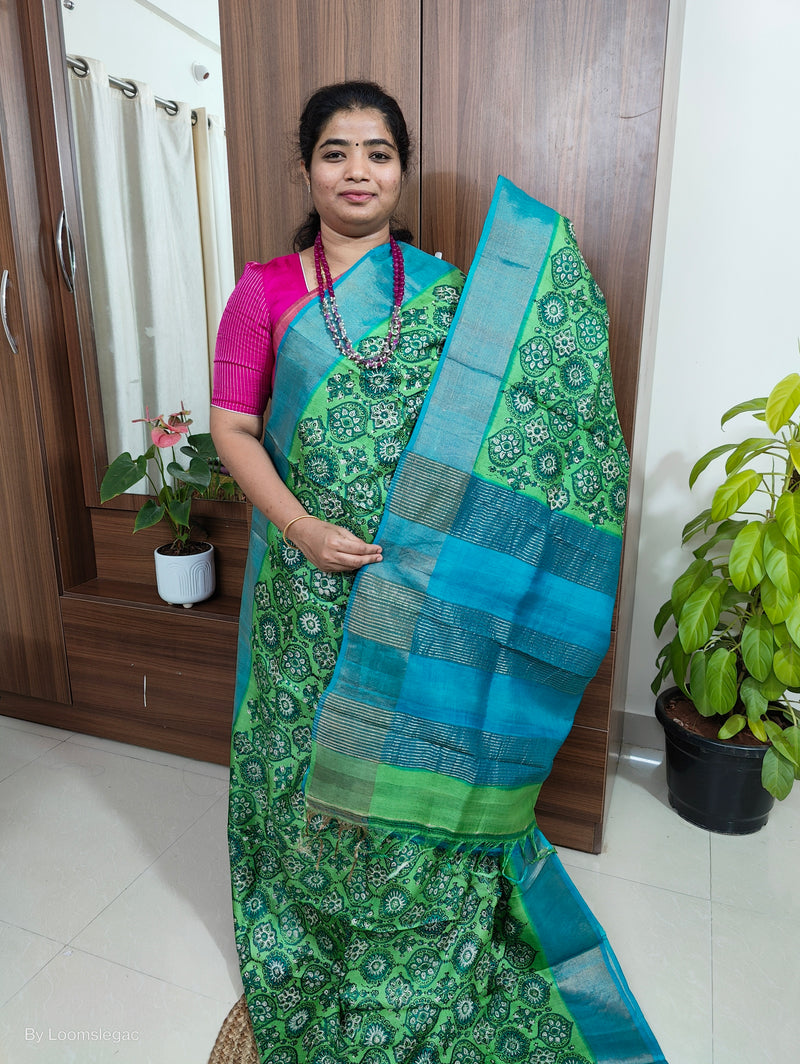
{"x": 357, "y": 197}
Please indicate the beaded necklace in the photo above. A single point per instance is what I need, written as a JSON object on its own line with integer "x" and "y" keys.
{"x": 333, "y": 319}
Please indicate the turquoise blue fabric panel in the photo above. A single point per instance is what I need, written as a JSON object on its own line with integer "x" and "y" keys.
{"x": 576, "y": 950}
{"x": 255, "y": 559}
{"x": 453, "y": 422}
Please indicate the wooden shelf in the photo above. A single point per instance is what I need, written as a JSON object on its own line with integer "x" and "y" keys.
{"x": 220, "y": 607}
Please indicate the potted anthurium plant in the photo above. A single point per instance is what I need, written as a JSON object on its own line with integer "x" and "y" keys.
{"x": 184, "y": 566}
{"x": 734, "y": 657}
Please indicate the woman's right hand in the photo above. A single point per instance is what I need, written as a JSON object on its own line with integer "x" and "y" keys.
{"x": 330, "y": 547}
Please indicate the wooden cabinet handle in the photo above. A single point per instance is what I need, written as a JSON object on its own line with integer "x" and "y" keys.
{"x": 61, "y": 233}
{"x": 3, "y": 314}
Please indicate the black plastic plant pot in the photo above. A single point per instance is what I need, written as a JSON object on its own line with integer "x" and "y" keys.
{"x": 714, "y": 784}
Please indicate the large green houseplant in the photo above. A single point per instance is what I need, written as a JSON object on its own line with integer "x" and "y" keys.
{"x": 735, "y": 610}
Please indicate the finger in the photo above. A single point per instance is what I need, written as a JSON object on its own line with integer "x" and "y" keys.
{"x": 345, "y": 560}
{"x": 358, "y": 549}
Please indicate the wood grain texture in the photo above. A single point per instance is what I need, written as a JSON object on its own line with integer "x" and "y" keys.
{"x": 273, "y": 57}
{"x": 153, "y": 678}
{"x": 35, "y": 223}
{"x": 59, "y": 172}
{"x": 593, "y": 709}
{"x": 575, "y": 789}
{"x": 562, "y": 830}
{"x": 563, "y": 97}
{"x": 89, "y": 720}
{"x": 125, "y": 556}
{"x": 32, "y": 656}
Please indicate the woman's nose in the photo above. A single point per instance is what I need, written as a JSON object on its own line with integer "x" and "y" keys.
{"x": 356, "y": 168}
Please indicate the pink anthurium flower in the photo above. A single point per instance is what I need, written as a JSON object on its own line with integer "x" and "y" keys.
{"x": 167, "y": 432}
{"x": 166, "y": 437}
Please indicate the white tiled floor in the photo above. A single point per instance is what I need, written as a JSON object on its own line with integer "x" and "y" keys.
{"x": 115, "y": 912}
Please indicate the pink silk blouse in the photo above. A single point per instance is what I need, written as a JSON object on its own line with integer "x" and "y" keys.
{"x": 244, "y": 356}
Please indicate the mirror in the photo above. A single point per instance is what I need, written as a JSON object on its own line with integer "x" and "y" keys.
{"x": 148, "y": 143}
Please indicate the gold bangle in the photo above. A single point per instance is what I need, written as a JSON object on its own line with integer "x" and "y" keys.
{"x": 302, "y": 517}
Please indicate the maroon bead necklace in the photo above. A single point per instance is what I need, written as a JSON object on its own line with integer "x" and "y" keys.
{"x": 333, "y": 319}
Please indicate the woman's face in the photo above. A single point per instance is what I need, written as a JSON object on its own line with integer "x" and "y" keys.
{"x": 355, "y": 174}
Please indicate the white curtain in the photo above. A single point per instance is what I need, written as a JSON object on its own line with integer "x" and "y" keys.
{"x": 213, "y": 197}
{"x": 156, "y": 294}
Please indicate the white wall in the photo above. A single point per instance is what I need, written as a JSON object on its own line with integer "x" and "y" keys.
{"x": 728, "y": 318}
{"x": 152, "y": 42}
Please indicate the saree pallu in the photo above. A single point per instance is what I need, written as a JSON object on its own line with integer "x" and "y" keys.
{"x": 406, "y": 939}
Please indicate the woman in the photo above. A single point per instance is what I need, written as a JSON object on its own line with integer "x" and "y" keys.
{"x": 367, "y": 932}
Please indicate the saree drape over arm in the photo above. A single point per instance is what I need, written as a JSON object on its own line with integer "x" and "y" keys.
{"x": 394, "y": 900}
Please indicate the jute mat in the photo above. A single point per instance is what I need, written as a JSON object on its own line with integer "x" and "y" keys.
{"x": 235, "y": 1043}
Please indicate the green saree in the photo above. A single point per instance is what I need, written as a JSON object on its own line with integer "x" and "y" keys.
{"x": 371, "y": 931}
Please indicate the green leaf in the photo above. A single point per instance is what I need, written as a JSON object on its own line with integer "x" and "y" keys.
{"x": 772, "y": 687}
{"x": 726, "y": 530}
{"x": 697, "y": 524}
{"x": 782, "y": 402}
{"x": 733, "y": 598}
{"x": 707, "y": 459}
{"x": 781, "y": 634}
{"x": 150, "y": 514}
{"x": 663, "y": 664}
{"x": 179, "y": 512}
{"x": 755, "y": 701}
{"x": 732, "y": 726}
{"x": 721, "y": 680}
{"x": 787, "y": 742}
{"x": 773, "y": 730}
{"x": 786, "y": 665}
{"x": 746, "y": 561}
{"x": 700, "y": 614}
{"x": 688, "y": 582}
{"x": 747, "y": 449}
{"x": 787, "y": 514}
{"x": 662, "y": 617}
{"x": 781, "y": 562}
{"x": 203, "y": 446}
{"x": 198, "y": 474}
{"x": 752, "y": 406}
{"x": 757, "y": 728}
{"x": 121, "y": 475}
{"x": 794, "y": 454}
{"x": 777, "y": 774}
{"x": 697, "y": 684}
{"x": 758, "y": 646}
{"x": 734, "y": 493}
{"x": 777, "y": 606}
{"x": 679, "y": 663}
{"x": 793, "y": 624}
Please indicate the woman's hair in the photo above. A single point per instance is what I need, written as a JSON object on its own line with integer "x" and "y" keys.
{"x": 320, "y": 107}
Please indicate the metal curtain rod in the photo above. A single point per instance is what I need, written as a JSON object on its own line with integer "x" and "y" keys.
{"x": 81, "y": 68}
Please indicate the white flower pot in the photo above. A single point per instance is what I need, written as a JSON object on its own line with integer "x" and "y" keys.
{"x": 183, "y": 579}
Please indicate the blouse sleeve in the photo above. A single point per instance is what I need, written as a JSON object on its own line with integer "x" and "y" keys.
{"x": 243, "y": 356}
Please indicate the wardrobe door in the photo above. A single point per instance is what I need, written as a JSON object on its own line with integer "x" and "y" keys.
{"x": 274, "y": 55}
{"x": 32, "y": 656}
{"x": 563, "y": 97}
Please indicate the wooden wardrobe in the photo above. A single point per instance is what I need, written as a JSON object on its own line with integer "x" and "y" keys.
{"x": 561, "y": 96}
